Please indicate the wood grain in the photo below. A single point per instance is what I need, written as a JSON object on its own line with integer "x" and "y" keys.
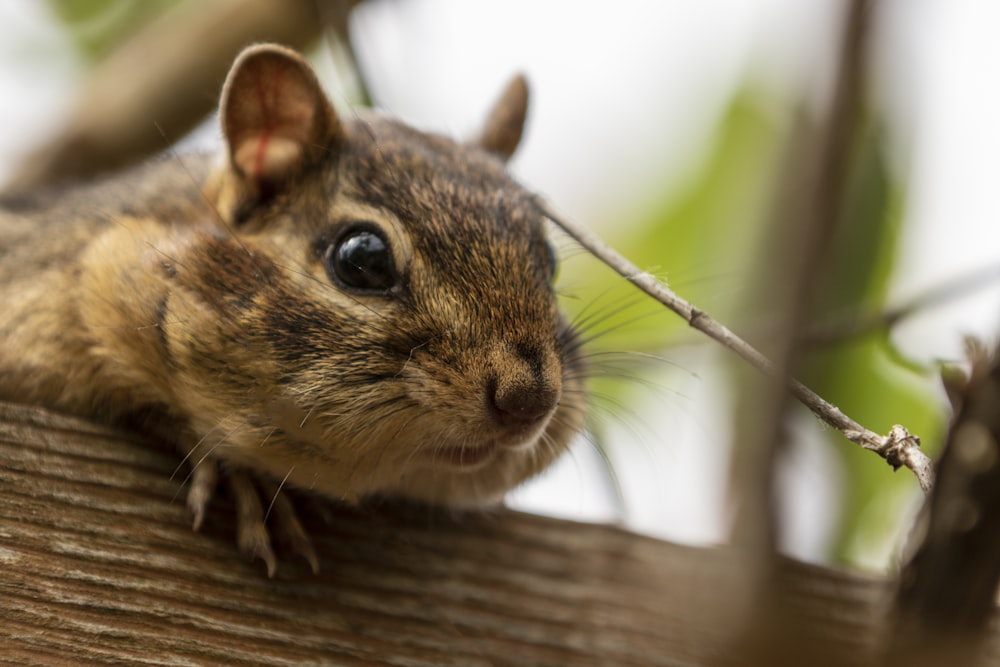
{"x": 99, "y": 565}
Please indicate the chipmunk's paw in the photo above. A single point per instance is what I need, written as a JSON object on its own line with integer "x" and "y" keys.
{"x": 252, "y": 534}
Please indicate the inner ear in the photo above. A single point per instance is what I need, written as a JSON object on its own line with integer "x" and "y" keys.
{"x": 505, "y": 123}
{"x": 275, "y": 117}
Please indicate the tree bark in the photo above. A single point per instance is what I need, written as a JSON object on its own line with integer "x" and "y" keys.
{"x": 100, "y": 565}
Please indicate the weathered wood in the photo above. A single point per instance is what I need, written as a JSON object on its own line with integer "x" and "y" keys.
{"x": 98, "y": 563}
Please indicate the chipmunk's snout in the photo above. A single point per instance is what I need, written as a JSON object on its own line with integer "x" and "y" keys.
{"x": 523, "y": 406}
{"x": 525, "y": 388}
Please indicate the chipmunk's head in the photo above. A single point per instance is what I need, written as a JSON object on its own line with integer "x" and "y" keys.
{"x": 383, "y": 298}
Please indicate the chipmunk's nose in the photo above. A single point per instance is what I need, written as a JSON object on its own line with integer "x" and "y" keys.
{"x": 524, "y": 389}
{"x": 522, "y": 406}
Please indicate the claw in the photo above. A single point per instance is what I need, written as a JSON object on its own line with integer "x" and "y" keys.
{"x": 251, "y": 533}
{"x": 288, "y": 529}
{"x": 203, "y": 481}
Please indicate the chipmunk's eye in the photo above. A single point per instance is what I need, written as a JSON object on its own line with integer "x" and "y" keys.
{"x": 361, "y": 259}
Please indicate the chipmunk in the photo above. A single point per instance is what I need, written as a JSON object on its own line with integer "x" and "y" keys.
{"x": 345, "y": 305}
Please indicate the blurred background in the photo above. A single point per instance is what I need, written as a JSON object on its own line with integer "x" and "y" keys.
{"x": 673, "y": 130}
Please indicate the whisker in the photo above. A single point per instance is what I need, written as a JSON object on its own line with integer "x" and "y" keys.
{"x": 302, "y": 424}
{"x": 194, "y": 466}
{"x": 588, "y": 336}
{"x": 599, "y": 309}
{"x": 192, "y": 450}
{"x": 597, "y": 442}
{"x": 222, "y": 442}
{"x": 617, "y": 411}
{"x": 274, "y": 496}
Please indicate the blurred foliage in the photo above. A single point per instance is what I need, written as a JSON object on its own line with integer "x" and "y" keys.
{"x": 695, "y": 237}
{"x": 716, "y": 227}
{"x": 96, "y": 26}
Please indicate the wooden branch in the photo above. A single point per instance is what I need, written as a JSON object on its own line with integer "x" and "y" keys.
{"x": 99, "y": 564}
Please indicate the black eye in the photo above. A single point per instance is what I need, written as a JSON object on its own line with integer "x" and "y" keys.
{"x": 361, "y": 259}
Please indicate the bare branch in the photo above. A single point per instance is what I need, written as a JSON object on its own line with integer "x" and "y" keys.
{"x": 898, "y": 448}
{"x": 100, "y": 565}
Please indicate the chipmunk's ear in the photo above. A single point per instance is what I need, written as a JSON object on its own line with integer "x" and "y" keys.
{"x": 505, "y": 123}
{"x": 275, "y": 117}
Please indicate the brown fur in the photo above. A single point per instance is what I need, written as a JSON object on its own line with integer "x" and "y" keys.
{"x": 199, "y": 296}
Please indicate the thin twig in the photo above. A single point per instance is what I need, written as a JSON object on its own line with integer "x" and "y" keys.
{"x": 898, "y": 448}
